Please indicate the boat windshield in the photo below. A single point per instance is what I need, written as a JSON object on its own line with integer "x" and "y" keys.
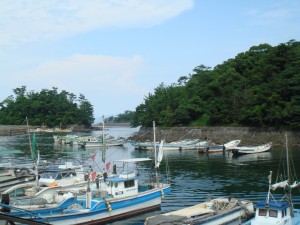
{"x": 58, "y": 175}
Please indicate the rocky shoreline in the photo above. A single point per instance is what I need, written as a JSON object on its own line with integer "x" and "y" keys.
{"x": 220, "y": 135}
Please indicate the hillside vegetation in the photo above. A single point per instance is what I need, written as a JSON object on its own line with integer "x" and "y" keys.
{"x": 258, "y": 88}
{"x": 47, "y": 107}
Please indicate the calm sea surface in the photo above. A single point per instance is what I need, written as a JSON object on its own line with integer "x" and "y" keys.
{"x": 193, "y": 176}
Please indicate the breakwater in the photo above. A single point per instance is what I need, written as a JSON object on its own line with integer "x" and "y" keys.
{"x": 220, "y": 135}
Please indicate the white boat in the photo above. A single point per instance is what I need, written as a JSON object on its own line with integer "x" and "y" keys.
{"x": 211, "y": 212}
{"x": 220, "y": 148}
{"x": 109, "y": 141}
{"x": 188, "y": 144}
{"x": 251, "y": 149}
{"x": 278, "y": 211}
{"x": 62, "y": 176}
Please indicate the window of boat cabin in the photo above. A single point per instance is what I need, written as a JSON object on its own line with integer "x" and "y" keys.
{"x": 262, "y": 212}
{"x": 128, "y": 183}
{"x": 273, "y": 213}
{"x": 283, "y": 213}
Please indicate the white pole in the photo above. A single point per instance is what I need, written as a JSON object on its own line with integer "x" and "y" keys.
{"x": 155, "y": 157}
{"x": 154, "y": 140}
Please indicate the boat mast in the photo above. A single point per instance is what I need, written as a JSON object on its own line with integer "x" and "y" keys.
{"x": 288, "y": 191}
{"x": 34, "y": 156}
{"x": 103, "y": 142}
{"x": 154, "y": 142}
{"x": 155, "y": 157}
{"x": 29, "y": 138}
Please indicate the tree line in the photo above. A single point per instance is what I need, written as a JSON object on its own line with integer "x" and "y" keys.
{"x": 47, "y": 107}
{"x": 257, "y": 88}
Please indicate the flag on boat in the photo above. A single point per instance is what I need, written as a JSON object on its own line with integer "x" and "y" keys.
{"x": 93, "y": 175}
{"x": 107, "y": 165}
{"x": 160, "y": 153}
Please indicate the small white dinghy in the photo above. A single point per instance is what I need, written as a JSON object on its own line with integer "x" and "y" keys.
{"x": 242, "y": 150}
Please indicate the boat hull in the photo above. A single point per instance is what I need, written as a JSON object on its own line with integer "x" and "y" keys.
{"x": 206, "y": 213}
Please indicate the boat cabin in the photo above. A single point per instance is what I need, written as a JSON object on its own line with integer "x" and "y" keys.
{"x": 124, "y": 185}
{"x": 272, "y": 213}
{"x": 57, "y": 177}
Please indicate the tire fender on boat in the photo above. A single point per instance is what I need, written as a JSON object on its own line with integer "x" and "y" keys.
{"x": 5, "y": 200}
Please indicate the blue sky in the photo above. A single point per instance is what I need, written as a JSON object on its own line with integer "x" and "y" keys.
{"x": 115, "y": 52}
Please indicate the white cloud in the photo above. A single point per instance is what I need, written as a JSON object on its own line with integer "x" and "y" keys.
{"x": 100, "y": 78}
{"x": 35, "y": 20}
{"x": 275, "y": 14}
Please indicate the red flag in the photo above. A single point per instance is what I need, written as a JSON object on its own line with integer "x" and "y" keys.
{"x": 93, "y": 157}
{"x": 93, "y": 175}
{"x": 107, "y": 165}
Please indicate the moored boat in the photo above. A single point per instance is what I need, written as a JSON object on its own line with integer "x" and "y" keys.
{"x": 123, "y": 196}
{"x": 216, "y": 211}
{"x": 279, "y": 211}
{"x": 188, "y": 144}
{"x": 242, "y": 150}
{"x": 220, "y": 148}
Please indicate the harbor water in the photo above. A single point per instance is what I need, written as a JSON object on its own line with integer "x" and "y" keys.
{"x": 194, "y": 176}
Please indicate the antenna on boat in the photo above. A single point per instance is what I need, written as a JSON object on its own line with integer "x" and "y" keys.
{"x": 269, "y": 192}
{"x": 288, "y": 189}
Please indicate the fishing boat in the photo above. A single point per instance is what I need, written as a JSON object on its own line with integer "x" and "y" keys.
{"x": 122, "y": 194}
{"x": 279, "y": 211}
{"x": 211, "y": 212}
{"x": 63, "y": 175}
{"x": 109, "y": 141}
{"x": 242, "y": 150}
{"x": 122, "y": 197}
{"x": 12, "y": 173}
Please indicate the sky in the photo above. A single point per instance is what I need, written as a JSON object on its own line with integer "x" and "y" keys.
{"x": 116, "y": 52}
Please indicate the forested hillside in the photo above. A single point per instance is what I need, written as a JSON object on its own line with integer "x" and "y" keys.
{"x": 258, "y": 88}
{"x": 48, "y": 107}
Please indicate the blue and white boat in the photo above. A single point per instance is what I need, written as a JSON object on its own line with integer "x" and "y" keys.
{"x": 121, "y": 196}
{"x": 273, "y": 211}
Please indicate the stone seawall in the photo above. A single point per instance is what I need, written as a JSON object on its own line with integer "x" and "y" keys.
{"x": 220, "y": 135}
{"x": 10, "y": 130}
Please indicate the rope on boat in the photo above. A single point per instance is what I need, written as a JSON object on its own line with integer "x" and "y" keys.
{"x": 108, "y": 206}
{"x": 247, "y": 211}
{"x": 74, "y": 207}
